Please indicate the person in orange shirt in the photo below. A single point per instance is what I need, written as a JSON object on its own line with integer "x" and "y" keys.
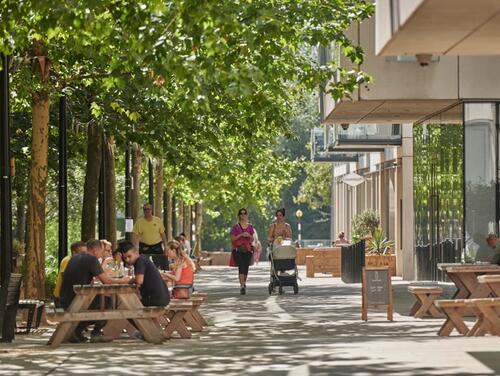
{"x": 182, "y": 274}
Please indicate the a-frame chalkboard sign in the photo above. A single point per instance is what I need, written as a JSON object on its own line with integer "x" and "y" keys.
{"x": 376, "y": 291}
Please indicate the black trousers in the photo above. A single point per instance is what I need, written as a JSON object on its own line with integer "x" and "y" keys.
{"x": 243, "y": 261}
{"x": 156, "y": 253}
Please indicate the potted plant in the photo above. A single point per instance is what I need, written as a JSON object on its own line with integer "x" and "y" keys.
{"x": 364, "y": 224}
{"x": 379, "y": 251}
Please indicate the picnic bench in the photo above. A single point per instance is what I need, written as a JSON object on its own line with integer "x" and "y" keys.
{"x": 465, "y": 279}
{"x": 470, "y": 299}
{"x": 425, "y": 298}
{"x": 324, "y": 260}
{"x": 129, "y": 308}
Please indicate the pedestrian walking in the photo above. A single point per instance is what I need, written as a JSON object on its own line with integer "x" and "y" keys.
{"x": 148, "y": 236}
{"x": 257, "y": 248}
{"x": 242, "y": 236}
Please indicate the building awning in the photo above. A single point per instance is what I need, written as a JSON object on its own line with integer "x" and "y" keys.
{"x": 439, "y": 27}
{"x": 386, "y": 111}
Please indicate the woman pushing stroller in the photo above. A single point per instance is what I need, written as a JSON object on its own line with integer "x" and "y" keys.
{"x": 279, "y": 229}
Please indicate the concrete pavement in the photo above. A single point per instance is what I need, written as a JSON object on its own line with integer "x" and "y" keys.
{"x": 318, "y": 332}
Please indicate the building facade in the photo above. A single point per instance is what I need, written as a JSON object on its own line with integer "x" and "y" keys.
{"x": 441, "y": 182}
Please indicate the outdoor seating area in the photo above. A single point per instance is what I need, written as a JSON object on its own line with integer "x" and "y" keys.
{"x": 127, "y": 315}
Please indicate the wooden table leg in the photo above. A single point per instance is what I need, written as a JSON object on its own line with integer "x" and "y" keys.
{"x": 191, "y": 321}
{"x": 64, "y": 330}
{"x": 150, "y": 328}
{"x": 176, "y": 323}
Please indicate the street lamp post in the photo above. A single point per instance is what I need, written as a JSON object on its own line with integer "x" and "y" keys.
{"x": 299, "y": 215}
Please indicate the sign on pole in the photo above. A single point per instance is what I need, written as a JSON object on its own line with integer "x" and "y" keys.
{"x": 353, "y": 179}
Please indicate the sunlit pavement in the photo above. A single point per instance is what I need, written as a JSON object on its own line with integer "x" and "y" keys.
{"x": 318, "y": 332}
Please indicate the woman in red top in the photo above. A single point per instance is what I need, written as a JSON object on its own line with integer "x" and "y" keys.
{"x": 241, "y": 240}
{"x": 182, "y": 274}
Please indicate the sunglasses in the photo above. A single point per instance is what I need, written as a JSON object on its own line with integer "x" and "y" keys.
{"x": 242, "y": 213}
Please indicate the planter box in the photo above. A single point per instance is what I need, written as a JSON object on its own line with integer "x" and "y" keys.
{"x": 219, "y": 258}
{"x": 301, "y": 255}
{"x": 324, "y": 260}
{"x": 382, "y": 260}
{"x": 353, "y": 260}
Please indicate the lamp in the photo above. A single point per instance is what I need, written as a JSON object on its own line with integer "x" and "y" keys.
{"x": 299, "y": 215}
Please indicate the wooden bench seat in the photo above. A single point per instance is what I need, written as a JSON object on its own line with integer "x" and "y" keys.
{"x": 488, "y": 316}
{"x": 454, "y": 310}
{"x": 425, "y": 297}
{"x": 173, "y": 318}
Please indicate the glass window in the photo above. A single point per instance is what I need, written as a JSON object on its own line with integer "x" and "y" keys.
{"x": 438, "y": 178}
{"x": 480, "y": 178}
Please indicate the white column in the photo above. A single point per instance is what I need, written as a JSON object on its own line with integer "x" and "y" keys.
{"x": 408, "y": 215}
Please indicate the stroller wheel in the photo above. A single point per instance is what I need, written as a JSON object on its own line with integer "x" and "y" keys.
{"x": 270, "y": 288}
{"x": 296, "y": 289}
{"x": 281, "y": 290}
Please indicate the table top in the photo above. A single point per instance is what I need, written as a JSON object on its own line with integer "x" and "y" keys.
{"x": 468, "y": 268}
{"x": 105, "y": 289}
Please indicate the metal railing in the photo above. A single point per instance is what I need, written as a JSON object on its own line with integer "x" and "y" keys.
{"x": 429, "y": 255}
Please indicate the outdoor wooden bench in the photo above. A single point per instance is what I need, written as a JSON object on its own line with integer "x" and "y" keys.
{"x": 454, "y": 311}
{"x": 193, "y": 318}
{"x": 173, "y": 318}
{"x": 130, "y": 307}
{"x": 203, "y": 296}
{"x": 9, "y": 301}
{"x": 488, "y": 317}
{"x": 324, "y": 261}
{"x": 35, "y": 310}
{"x": 424, "y": 305}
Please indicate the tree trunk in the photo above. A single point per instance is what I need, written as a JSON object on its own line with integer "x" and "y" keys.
{"x": 169, "y": 227}
{"x": 186, "y": 225}
{"x": 35, "y": 239}
{"x": 198, "y": 220}
{"x": 158, "y": 201}
{"x": 136, "y": 181}
{"x": 21, "y": 220}
{"x": 110, "y": 181}
{"x": 91, "y": 185}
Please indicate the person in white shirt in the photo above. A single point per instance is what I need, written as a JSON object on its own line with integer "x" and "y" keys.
{"x": 185, "y": 244}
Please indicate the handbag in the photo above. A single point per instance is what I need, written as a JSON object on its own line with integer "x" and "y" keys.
{"x": 232, "y": 260}
{"x": 180, "y": 293}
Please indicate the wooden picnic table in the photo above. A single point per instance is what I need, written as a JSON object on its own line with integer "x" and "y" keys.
{"x": 130, "y": 307}
{"x": 464, "y": 276}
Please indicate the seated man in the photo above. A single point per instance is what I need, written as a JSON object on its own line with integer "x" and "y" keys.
{"x": 76, "y": 248}
{"x": 81, "y": 270}
{"x": 154, "y": 292}
{"x": 494, "y": 245}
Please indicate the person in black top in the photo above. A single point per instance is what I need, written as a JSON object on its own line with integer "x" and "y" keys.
{"x": 153, "y": 290}
{"x": 81, "y": 270}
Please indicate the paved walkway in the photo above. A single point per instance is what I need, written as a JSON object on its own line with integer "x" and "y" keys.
{"x": 318, "y": 332}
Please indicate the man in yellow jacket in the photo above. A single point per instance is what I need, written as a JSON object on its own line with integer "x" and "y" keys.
{"x": 76, "y": 248}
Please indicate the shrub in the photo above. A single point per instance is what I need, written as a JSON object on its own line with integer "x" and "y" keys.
{"x": 364, "y": 224}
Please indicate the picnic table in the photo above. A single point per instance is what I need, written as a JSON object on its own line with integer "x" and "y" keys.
{"x": 464, "y": 302}
{"x": 129, "y": 307}
{"x": 464, "y": 276}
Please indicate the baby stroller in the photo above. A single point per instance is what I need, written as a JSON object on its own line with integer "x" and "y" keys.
{"x": 283, "y": 267}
